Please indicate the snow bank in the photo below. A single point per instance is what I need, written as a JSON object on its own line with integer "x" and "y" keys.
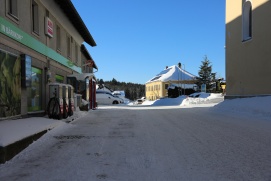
{"x": 259, "y": 106}
{"x": 169, "y": 101}
{"x": 196, "y": 98}
{"x": 203, "y": 98}
{"x": 14, "y": 130}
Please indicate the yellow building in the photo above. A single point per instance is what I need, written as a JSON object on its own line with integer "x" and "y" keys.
{"x": 172, "y": 76}
{"x": 248, "y": 48}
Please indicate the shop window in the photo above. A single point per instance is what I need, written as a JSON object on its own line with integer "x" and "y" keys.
{"x": 35, "y": 17}
{"x": 10, "y": 85}
{"x": 59, "y": 79}
{"x": 247, "y": 21}
{"x": 13, "y": 8}
{"x": 34, "y": 93}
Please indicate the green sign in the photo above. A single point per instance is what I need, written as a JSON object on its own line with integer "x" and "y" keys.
{"x": 17, "y": 34}
{"x": 59, "y": 77}
{"x": 35, "y": 70}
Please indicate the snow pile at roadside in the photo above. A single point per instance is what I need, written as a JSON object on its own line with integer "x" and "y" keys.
{"x": 196, "y": 98}
{"x": 148, "y": 102}
{"x": 203, "y": 98}
{"x": 169, "y": 101}
{"x": 259, "y": 106}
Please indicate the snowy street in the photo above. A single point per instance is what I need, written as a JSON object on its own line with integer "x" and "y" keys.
{"x": 149, "y": 144}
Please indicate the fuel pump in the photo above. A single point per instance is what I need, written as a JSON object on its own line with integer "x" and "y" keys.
{"x": 55, "y": 105}
{"x": 65, "y": 100}
{"x": 71, "y": 100}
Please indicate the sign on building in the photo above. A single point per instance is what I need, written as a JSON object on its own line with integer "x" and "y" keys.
{"x": 49, "y": 27}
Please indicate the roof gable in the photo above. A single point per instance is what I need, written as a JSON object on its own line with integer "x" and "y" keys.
{"x": 173, "y": 73}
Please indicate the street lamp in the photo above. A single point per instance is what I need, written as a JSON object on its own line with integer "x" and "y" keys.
{"x": 184, "y": 77}
{"x": 179, "y": 65}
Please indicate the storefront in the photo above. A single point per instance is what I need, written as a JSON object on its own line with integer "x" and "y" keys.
{"x": 26, "y": 67}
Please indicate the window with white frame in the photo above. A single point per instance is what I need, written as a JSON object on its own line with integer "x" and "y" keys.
{"x": 247, "y": 21}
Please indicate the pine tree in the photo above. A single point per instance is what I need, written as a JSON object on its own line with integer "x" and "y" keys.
{"x": 205, "y": 73}
{"x": 114, "y": 81}
{"x": 101, "y": 81}
{"x": 132, "y": 91}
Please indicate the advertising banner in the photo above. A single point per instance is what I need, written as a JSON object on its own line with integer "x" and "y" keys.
{"x": 10, "y": 85}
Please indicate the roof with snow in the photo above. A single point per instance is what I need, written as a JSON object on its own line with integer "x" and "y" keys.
{"x": 173, "y": 73}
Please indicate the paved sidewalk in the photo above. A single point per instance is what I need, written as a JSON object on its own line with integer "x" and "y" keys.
{"x": 15, "y": 130}
{"x": 17, "y": 134}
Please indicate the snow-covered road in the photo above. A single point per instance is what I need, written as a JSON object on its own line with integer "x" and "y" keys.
{"x": 141, "y": 144}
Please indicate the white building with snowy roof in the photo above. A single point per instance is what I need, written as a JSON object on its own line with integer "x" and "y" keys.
{"x": 172, "y": 76}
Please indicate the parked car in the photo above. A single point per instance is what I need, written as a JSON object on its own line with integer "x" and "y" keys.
{"x": 139, "y": 101}
{"x": 120, "y": 94}
{"x": 103, "y": 97}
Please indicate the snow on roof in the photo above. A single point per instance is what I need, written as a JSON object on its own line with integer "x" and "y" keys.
{"x": 173, "y": 73}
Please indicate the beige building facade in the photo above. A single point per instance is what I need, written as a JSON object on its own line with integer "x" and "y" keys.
{"x": 156, "y": 90}
{"x": 40, "y": 42}
{"x": 248, "y": 48}
{"x": 172, "y": 76}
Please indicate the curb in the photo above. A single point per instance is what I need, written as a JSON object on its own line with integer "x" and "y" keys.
{"x": 9, "y": 151}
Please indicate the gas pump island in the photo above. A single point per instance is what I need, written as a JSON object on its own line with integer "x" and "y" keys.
{"x": 61, "y": 103}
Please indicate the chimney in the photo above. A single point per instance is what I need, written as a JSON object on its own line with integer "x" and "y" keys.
{"x": 166, "y": 67}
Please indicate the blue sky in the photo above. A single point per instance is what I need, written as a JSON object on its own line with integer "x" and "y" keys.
{"x": 136, "y": 39}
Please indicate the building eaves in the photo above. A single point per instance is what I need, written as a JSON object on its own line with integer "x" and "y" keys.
{"x": 69, "y": 10}
{"x": 88, "y": 56}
